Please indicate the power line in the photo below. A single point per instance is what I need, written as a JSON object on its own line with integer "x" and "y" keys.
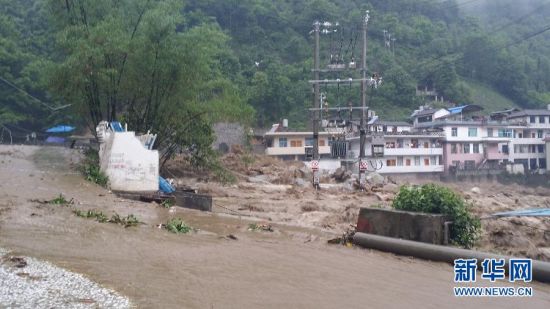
{"x": 521, "y": 18}
{"x": 53, "y": 109}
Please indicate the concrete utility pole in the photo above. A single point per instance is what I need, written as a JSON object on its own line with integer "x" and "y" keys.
{"x": 316, "y": 102}
{"x": 365, "y": 112}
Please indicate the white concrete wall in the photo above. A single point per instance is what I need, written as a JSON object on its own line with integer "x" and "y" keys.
{"x": 129, "y": 166}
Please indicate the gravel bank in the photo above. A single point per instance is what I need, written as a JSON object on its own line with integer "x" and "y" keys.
{"x": 30, "y": 283}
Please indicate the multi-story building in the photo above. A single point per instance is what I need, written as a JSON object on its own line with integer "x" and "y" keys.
{"x": 457, "y": 140}
{"x": 530, "y": 128}
{"x": 404, "y": 152}
{"x": 291, "y": 145}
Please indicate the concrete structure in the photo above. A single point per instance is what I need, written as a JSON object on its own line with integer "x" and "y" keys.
{"x": 428, "y": 228}
{"x": 292, "y": 145}
{"x": 425, "y": 114}
{"x": 125, "y": 159}
{"x": 528, "y": 145}
{"x": 227, "y": 136}
{"x": 405, "y": 152}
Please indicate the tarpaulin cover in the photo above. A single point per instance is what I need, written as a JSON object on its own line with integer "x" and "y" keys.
{"x": 537, "y": 212}
{"x": 60, "y": 129}
{"x": 55, "y": 140}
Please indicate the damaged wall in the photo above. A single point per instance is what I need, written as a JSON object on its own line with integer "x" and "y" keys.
{"x": 128, "y": 164}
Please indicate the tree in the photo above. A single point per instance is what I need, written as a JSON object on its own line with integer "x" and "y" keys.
{"x": 138, "y": 61}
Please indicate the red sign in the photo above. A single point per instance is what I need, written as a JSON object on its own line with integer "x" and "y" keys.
{"x": 314, "y": 165}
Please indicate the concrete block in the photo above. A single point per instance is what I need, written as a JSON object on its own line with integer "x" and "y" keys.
{"x": 428, "y": 228}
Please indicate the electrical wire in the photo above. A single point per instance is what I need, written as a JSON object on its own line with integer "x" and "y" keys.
{"x": 53, "y": 109}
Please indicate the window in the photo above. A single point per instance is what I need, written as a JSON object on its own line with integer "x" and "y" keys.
{"x": 542, "y": 163}
{"x": 533, "y": 134}
{"x": 399, "y": 143}
{"x": 466, "y": 148}
{"x": 539, "y": 133}
{"x": 533, "y": 164}
{"x": 433, "y": 160}
{"x": 472, "y": 132}
{"x": 490, "y": 132}
{"x": 454, "y": 131}
{"x": 426, "y": 145}
{"x": 454, "y": 148}
{"x": 541, "y": 148}
{"x": 414, "y": 143}
{"x": 417, "y": 161}
{"x": 400, "y": 161}
{"x": 469, "y": 165}
{"x": 505, "y": 149}
{"x": 321, "y": 142}
{"x": 309, "y": 141}
{"x": 391, "y": 162}
{"x": 476, "y": 148}
{"x": 504, "y": 133}
{"x": 426, "y": 161}
{"x": 296, "y": 143}
{"x": 408, "y": 162}
{"x": 456, "y": 163}
{"x": 532, "y": 119}
{"x": 283, "y": 142}
{"x": 541, "y": 119}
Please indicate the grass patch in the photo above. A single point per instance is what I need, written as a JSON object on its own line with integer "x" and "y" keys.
{"x": 130, "y": 220}
{"x": 60, "y": 200}
{"x": 91, "y": 214}
{"x": 178, "y": 226}
{"x": 260, "y": 227}
{"x": 90, "y": 168}
{"x": 167, "y": 203}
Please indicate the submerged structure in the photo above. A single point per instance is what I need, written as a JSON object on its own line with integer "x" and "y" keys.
{"x": 128, "y": 160}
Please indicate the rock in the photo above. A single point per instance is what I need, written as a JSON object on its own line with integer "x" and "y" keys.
{"x": 476, "y": 190}
{"x": 302, "y": 172}
{"x": 542, "y": 191}
{"x": 375, "y": 178}
{"x": 258, "y": 179}
{"x": 341, "y": 174}
{"x": 391, "y": 187}
{"x": 300, "y": 182}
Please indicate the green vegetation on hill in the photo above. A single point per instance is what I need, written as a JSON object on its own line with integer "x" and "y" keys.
{"x": 221, "y": 57}
{"x": 488, "y": 98}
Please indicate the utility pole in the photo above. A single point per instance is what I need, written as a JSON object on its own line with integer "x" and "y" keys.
{"x": 364, "y": 112}
{"x": 316, "y": 102}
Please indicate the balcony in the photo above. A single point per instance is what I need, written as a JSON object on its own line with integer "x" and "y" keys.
{"x": 496, "y": 139}
{"x": 293, "y": 151}
{"x": 527, "y": 141}
{"x": 413, "y": 151}
{"x": 497, "y": 156}
{"x": 411, "y": 169}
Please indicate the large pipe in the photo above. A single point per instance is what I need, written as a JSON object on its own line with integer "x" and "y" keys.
{"x": 541, "y": 270}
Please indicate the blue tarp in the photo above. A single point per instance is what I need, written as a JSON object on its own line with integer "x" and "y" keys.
{"x": 117, "y": 126}
{"x": 457, "y": 110}
{"x": 165, "y": 186}
{"x": 537, "y": 212}
{"x": 60, "y": 129}
{"x": 55, "y": 140}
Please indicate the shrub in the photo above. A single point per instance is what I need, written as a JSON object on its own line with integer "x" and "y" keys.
{"x": 90, "y": 168}
{"x": 436, "y": 199}
{"x": 177, "y": 226}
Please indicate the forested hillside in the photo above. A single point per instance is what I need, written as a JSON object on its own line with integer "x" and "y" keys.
{"x": 258, "y": 53}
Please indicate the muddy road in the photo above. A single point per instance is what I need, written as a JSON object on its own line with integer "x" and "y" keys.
{"x": 289, "y": 268}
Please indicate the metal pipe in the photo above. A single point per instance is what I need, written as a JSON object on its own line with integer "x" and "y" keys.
{"x": 541, "y": 270}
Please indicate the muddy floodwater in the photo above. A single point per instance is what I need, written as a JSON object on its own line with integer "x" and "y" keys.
{"x": 291, "y": 267}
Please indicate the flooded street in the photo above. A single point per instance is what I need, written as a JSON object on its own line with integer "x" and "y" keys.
{"x": 291, "y": 267}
